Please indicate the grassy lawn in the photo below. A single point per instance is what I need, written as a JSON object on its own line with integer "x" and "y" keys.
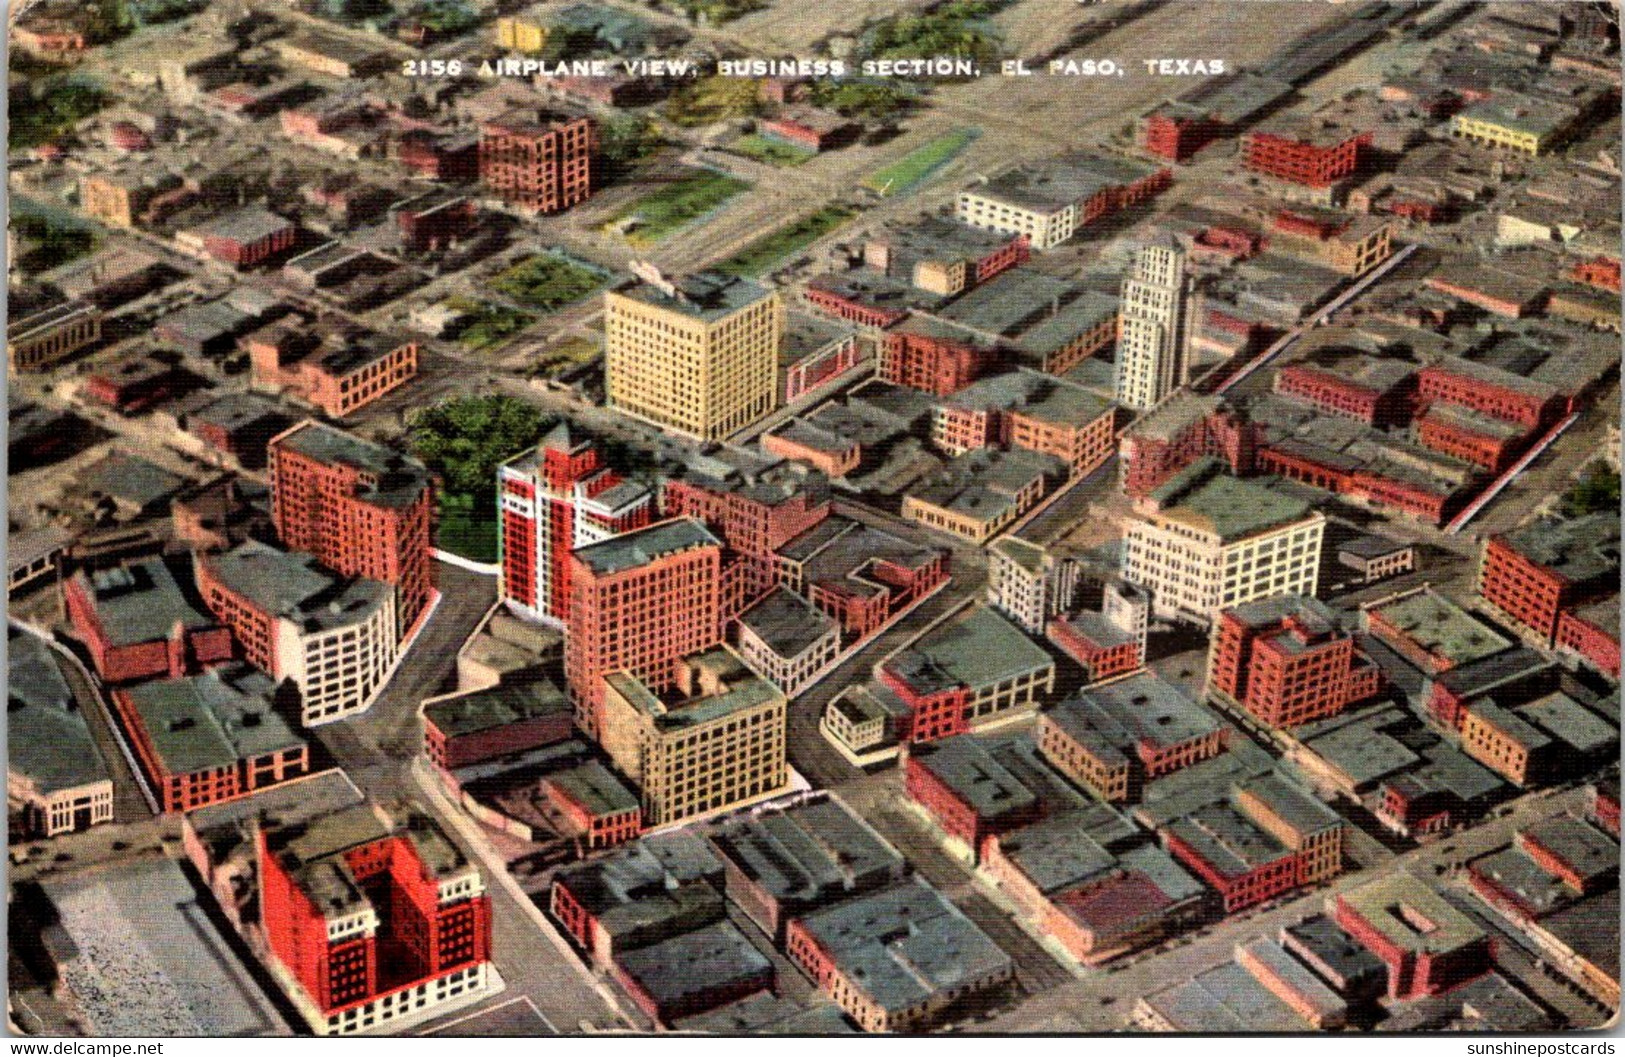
{"x": 463, "y": 533}
{"x": 768, "y": 251}
{"x": 770, "y": 151}
{"x": 492, "y": 325}
{"x": 903, "y": 175}
{"x": 547, "y": 282}
{"x": 676, "y": 204}
{"x": 564, "y": 356}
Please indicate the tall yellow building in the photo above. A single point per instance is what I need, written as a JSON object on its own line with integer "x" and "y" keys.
{"x": 715, "y": 741}
{"x": 697, "y": 355}
{"x": 523, "y": 32}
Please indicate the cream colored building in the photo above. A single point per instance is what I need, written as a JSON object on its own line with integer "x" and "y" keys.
{"x": 1206, "y": 541}
{"x": 717, "y": 741}
{"x": 1152, "y": 359}
{"x": 698, "y": 355}
{"x": 1028, "y": 583}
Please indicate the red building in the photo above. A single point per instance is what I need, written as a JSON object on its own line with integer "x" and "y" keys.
{"x": 933, "y": 357}
{"x": 468, "y": 728}
{"x": 1428, "y": 945}
{"x": 246, "y": 237}
{"x": 1177, "y": 131}
{"x": 554, "y": 498}
{"x": 843, "y": 304}
{"x": 1601, "y": 272}
{"x": 756, "y": 509}
{"x": 373, "y": 922}
{"x": 1184, "y": 428}
{"x": 1538, "y": 573}
{"x": 1310, "y": 157}
{"x": 1592, "y": 632}
{"x": 540, "y": 162}
{"x": 970, "y": 794}
{"x": 360, "y": 508}
{"x": 811, "y": 129}
{"x": 640, "y": 603}
{"x": 1286, "y": 661}
{"x": 330, "y": 365}
{"x": 449, "y": 158}
{"x": 1489, "y": 391}
{"x": 210, "y": 738}
{"x": 1100, "y": 648}
{"x": 1330, "y": 472}
{"x": 435, "y": 221}
{"x": 139, "y": 622}
{"x": 1376, "y": 401}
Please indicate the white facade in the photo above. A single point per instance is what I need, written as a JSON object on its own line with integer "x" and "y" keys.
{"x": 1043, "y": 228}
{"x": 1028, "y": 584}
{"x": 1192, "y": 574}
{"x": 1152, "y": 359}
{"x": 339, "y": 668}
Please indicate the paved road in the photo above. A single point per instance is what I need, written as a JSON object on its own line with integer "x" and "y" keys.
{"x": 1080, "y": 1004}
{"x": 377, "y": 750}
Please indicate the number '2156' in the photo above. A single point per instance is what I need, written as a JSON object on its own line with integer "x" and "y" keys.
{"x": 432, "y": 68}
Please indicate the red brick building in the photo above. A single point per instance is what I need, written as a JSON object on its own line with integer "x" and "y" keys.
{"x": 1592, "y": 632}
{"x": 375, "y": 922}
{"x": 1177, "y": 131}
{"x": 970, "y": 794}
{"x": 1184, "y": 428}
{"x": 1100, "y": 648}
{"x": 1540, "y": 572}
{"x": 640, "y": 603}
{"x": 209, "y": 738}
{"x": 480, "y": 725}
{"x": 1310, "y": 157}
{"x": 1428, "y": 945}
{"x": 1478, "y": 439}
{"x": 435, "y": 222}
{"x": 1601, "y": 272}
{"x": 540, "y": 162}
{"x": 933, "y": 357}
{"x": 246, "y": 237}
{"x": 756, "y": 510}
{"x": 449, "y": 158}
{"x": 360, "y": 508}
{"x": 842, "y": 304}
{"x": 1286, "y": 661}
{"x": 139, "y": 622}
{"x": 1489, "y": 391}
{"x": 1376, "y": 401}
{"x": 811, "y": 129}
{"x": 332, "y": 366}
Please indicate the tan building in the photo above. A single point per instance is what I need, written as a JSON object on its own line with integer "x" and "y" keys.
{"x": 48, "y": 334}
{"x": 1152, "y": 358}
{"x": 716, "y": 740}
{"x": 1296, "y": 819}
{"x": 1207, "y": 541}
{"x": 697, "y": 355}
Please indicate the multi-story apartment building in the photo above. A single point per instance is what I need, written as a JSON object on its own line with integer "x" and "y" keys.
{"x": 640, "y": 603}
{"x": 1538, "y": 573}
{"x": 554, "y": 498}
{"x": 933, "y": 356}
{"x": 1152, "y": 352}
{"x": 1206, "y": 541}
{"x": 697, "y": 355}
{"x": 335, "y": 641}
{"x": 1029, "y": 583}
{"x": 538, "y": 161}
{"x": 755, "y": 504}
{"x": 1307, "y": 153}
{"x": 373, "y": 923}
{"x": 1287, "y": 662}
{"x": 714, "y": 740}
{"x": 360, "y": 508}
{"x": 1427, "y": 944}
{"x": 1049, "y": 202}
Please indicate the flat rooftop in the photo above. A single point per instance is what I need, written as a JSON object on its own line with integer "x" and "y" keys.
{"x": 296, "y": 586}
{"x": 390, "y": 478}
{"x": 1229, "y": 507}
{"x": 48, "y": 740}
{"x": 143, "y": 603}
{"x": 1440, "y": 626}
{"x": 706, "y": 296}
{"x": 963, "y": 765}
{"x": 978, "y": 649}
{"x": 1386, "y": 903}
{"x": 212, "y": 721}
{"x": 633, "y": 549}
{"x": 787, "y": 623}
{"x": 809, "y": 854}
{"x": 496, "y": 706}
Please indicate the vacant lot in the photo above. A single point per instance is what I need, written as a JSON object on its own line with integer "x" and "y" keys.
{"x": 548, "y": 282}
{"x": 676, "y": 204}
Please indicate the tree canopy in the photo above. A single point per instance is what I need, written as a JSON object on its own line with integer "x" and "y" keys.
{"x": 466, "y": 439}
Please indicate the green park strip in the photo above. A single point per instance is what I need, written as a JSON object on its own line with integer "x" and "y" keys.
{"x": 915, "y": 168}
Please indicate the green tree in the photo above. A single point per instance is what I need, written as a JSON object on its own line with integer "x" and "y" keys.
{"x": 624, "y": 140}
{"x": 871, "y": 100}
{"x": 466, "y": 439}
{"x": 1597, "y": 490}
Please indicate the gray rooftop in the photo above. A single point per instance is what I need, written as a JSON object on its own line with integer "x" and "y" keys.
{"x": 706, "y": 296}
{"x": 1114, "y": 719}
{"x": 392, "y": 479}
{"x": 633, "y": 549}
{"x": 48, "y": 741}
{"x": 497, "y": 706}
{"x": 296, "y": 587}
{"x": 213, "y": 720}
{"x": 978, "y": 649}
{"x": 787, "y": 623}
{"x": 809, "y": 854}
{"x": 144, "y": 602}
{"x": 690, "y": 965}
{"x": 963, "y": 765}
{"x": 905, "y": 943}
{"x": 1229, "y": 507}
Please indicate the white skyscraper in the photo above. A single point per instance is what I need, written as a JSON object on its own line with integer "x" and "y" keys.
{"x": 1151, "y": 350}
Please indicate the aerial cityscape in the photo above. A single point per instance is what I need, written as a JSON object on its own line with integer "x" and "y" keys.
{"x": 746, "y": 517}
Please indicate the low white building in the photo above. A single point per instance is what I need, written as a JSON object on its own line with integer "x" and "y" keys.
{"x": 788, "y": 640}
